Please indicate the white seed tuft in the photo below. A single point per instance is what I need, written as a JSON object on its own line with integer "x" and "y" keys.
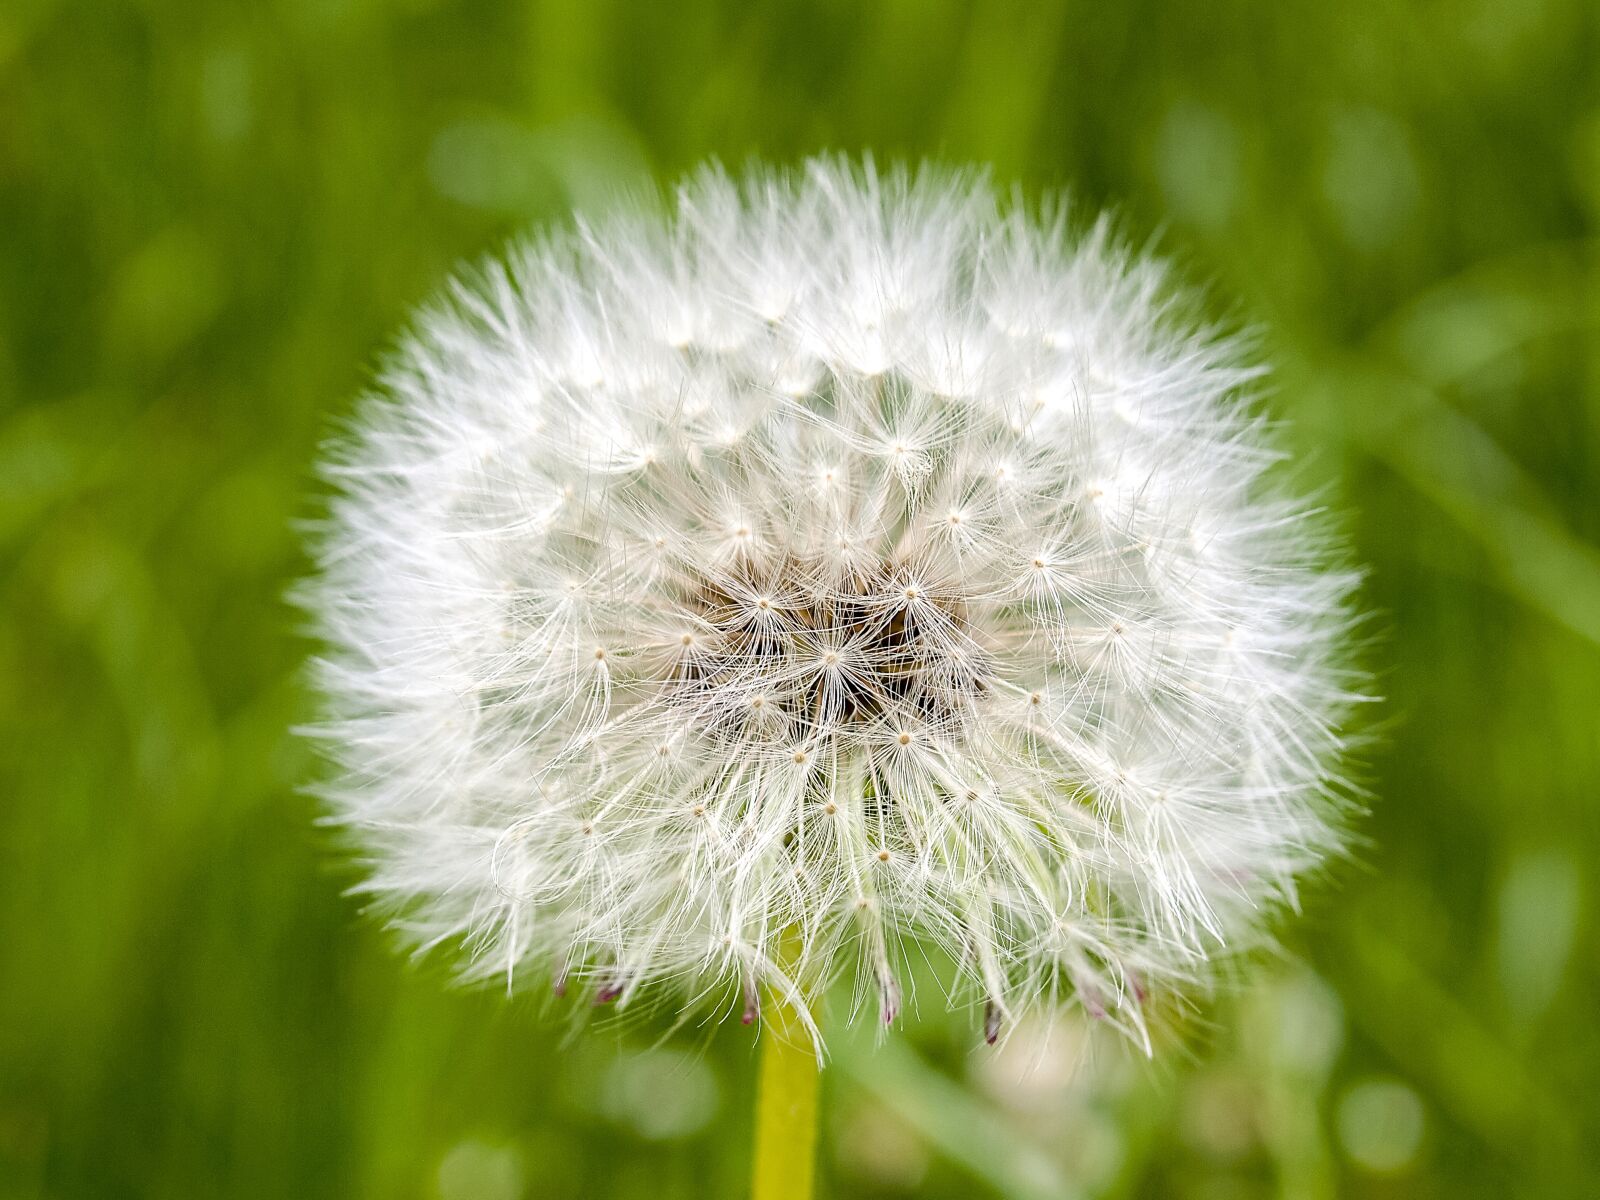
{"x": 855, "y": 472}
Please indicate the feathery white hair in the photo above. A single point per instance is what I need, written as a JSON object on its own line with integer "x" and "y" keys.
{"x": 845, "y": 564}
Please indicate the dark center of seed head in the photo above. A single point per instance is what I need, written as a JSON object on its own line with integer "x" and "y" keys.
{"x": 872, "y": 650}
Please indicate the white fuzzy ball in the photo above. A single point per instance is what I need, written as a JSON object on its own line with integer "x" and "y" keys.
{"x": 841, "y": 564}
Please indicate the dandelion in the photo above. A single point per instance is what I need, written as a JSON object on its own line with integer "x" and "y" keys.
{"x": 844, "y": 567}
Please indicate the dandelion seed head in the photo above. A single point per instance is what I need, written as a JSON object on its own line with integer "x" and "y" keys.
{"x": 840, "y": 564}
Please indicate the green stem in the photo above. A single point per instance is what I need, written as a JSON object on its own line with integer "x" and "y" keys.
{"x": 786, "y": 1107}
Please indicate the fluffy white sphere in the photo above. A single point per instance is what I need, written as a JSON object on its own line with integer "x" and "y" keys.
{"x": 843, "y": 564}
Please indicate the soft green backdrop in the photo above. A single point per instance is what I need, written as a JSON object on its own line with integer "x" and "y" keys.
{"x": 212, "y": 217}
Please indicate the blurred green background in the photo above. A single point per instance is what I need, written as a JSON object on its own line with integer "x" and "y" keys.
{"x": 213, "y": 216}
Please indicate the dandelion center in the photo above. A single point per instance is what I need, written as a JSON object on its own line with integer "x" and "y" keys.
{"x": 835, "y": 657}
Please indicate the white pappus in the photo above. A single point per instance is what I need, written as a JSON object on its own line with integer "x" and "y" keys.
{"x": 845, "y": 566}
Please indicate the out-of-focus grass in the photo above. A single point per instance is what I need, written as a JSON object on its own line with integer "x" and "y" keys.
{"x": 211, "y": 218}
